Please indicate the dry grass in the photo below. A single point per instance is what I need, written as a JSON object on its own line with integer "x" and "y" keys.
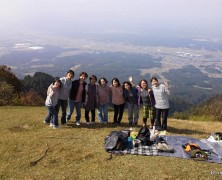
{"x": 77, "y": 152}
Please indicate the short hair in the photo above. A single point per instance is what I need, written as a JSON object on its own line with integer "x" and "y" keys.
{"x": 57, "y": 80}
{"x": 93, "y": 76}
{"x": 102, "y": 78}
{"x": 141, "y": 82}
{"x": 71, "y": 72}
{"x": 153, "y": 78}
{"x": 83, "y": 73}
{"x": 127, "y": 82}
{"x": 117, "y": 80}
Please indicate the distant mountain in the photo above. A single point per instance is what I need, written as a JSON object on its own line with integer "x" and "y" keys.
{"x": 210, "y": 108}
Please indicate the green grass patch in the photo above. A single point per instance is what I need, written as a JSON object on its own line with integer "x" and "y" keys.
{"x": 78, "y": 153}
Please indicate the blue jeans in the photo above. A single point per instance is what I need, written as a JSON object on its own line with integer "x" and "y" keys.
{"x": 133, "y": 109}
{"x": 103, "y": 113}
{"x": 63, "y": 104}
{"x": 158, "y": 124}
{"x": 52, "y": 115}
{"x": 71, "y": 105}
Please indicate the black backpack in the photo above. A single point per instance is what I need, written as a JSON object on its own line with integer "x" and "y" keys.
{"x": 144, "y": 136}
{"x": 116, "y": 141}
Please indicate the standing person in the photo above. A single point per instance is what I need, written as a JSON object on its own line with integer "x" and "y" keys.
{"x": 148, "y": 102}
{"x": 51, "y": 101}
{"x": 161, "y": 93}
{"x": 103, "y": 93}
{"x": 131, "y": 97}
{"x": 117, "y": 100}
{"x": 137, "y": 87}
{"x": 91, "y": 99}
{"x": 77, "y": 97}
{"x": 64, "y": 94}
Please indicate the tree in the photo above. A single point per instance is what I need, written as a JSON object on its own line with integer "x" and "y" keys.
{"x": 7, "y": 76}
{"x": 39, "y": 83}
{"x": 7, "y": 93}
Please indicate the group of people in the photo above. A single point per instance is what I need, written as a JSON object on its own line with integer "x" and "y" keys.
{"x": 67, "y": 94}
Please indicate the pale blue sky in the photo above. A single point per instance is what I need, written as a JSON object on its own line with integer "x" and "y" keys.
{"x": 111, "y": 15}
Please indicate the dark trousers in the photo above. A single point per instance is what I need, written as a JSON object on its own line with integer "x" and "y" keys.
{"x": 164, "y": 113}
{"x": 118, "y": 112}
{"x": 63, "y": 104}
{"x": 87, "y": 115}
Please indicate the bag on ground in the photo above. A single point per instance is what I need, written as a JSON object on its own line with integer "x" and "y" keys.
{"x": 144, "y": 136}
{"x": 116, "y": 140}
{"x": 163, "y": 146}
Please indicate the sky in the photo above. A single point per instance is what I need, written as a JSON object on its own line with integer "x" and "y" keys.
{"x": 110, "y": 16}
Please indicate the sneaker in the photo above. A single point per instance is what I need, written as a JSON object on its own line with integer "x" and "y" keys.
{"x": 50, "y": 125}
{"x": 64, "y": 124}
{"x": 92, "y": 122}
{"x": 88, "y": 123}
{"x": 105, "y": 122}
{"x": 163, "y": 133}
{"x": 78, "y": 123}
{"x": 46, "y": 122}
{"x": 55, "y": 127}
{"x": 68, "y": 118}
{"x": 156, "y": 132}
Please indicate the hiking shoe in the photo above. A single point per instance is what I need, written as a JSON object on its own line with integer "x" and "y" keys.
{"x": 78, "y": 123}
{"x": 88, "y": 123}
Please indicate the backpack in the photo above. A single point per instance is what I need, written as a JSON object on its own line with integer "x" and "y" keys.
{"x": 195, "y": 152}
{"x": 116, "y": 141}
{"x": 144, "y": 136}
{"x": 190, "y": 146}
{"x": 198, "y": 155}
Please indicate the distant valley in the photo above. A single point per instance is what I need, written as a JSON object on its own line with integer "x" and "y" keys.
{"x": 193, "y": 67}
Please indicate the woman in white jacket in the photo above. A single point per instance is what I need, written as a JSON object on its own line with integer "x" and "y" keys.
{"x": 51, "y": 101}
{"x": 161, "y": 93}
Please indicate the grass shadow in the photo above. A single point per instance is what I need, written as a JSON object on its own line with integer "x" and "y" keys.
{"x": 184, "y": 131}
{"x": 98, "y": 125}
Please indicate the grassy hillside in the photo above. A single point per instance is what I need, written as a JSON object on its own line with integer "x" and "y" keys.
{"x": 78, "y": 153}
